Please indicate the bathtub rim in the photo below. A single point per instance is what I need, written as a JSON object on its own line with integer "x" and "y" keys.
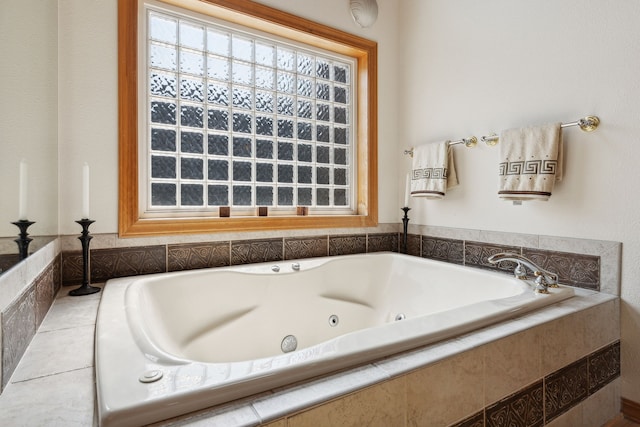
{"x": 117, "y": 288}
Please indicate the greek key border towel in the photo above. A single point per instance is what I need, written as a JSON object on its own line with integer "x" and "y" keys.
{"x": 433, "y": 170}
{"x": 530, "y": 162}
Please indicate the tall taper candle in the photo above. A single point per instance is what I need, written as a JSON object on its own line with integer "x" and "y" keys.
{"x": 407, "y": 190}
{"x": 85, "y": 191}
{"x": 23, "y": 193}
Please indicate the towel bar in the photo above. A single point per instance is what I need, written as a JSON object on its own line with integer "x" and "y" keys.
{"x": 587, "y": 124}
{"x": 470, "y": 142}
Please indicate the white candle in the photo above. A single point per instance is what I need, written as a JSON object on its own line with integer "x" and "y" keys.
{"x": 407, "y": 191}
{"x": 85, "y": 191}
{"x": 22, "y": 195}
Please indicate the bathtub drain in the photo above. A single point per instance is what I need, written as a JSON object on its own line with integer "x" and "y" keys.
{"x": 289, "y": 344}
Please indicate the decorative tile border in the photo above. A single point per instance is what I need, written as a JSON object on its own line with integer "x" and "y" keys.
{"x": 476, "y": 254}
{"x": 572, "y": 384}
{"x": 108, "y": 263}
{"x": 347, "y": 245}
{"x": 604, "y": 367}
{"x": 524, "y": 408}
{"x": 306, "y": 247}
{"x": 590, "y": 264}
{"x": 45, "y": 291}
{"x": 18, "y": 327}
{"x": 574, "y": 269}
{"x": 414, "y": 244}
{"x": 190, "y": 256}
{"x": 383, "y": 242}
{"x": 566, "y": 388}
{"x": 252, "y": 251}
{"x": 450, "y": 250}
{"x": 546, "y": 399}
{"x": 20, "y": 319}
{"x": 136, "y": 260}
{"x": 72, "y": 268}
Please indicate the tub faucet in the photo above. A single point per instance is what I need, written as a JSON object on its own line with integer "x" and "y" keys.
{"x": 544, "y": 278}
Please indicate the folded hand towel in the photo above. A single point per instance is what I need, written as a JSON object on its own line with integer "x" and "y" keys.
{"x": 530, "y": 162}
{"x": 433, "y": 170}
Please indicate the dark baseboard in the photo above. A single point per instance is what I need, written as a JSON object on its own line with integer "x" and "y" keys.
{"x": 631, "y": 410}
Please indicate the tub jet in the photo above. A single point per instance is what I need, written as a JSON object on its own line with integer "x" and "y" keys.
{"x": 334, "y": 320}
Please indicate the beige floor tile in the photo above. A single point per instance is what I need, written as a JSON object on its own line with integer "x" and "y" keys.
{"x": 447, "y": 391}
{"x": 382, "y": 405}
{"x": 602, "y": 406}
{"x": 511, "y": 364}
{"x": 65, "y": 399}
{"x": 571, "y": 418}
{"x": 61, "y": 316}
{"x": 563, "y": 341}
{"x": 73, "y": 350}
{"x": 603, "y": 325}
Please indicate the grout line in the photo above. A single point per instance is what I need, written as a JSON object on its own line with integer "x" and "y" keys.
{"x": 50, "y": 375}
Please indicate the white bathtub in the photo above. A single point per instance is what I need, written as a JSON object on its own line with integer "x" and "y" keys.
{"x": 216, "y": 335}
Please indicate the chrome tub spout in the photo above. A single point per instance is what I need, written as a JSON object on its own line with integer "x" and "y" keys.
{"x": 544, "y": 278}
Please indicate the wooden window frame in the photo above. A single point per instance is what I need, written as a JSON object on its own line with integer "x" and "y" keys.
{"x": 264, "y": 18}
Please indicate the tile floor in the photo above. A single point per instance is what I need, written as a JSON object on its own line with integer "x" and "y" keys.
{"x": 620, "y": 421}
{"x": 54, "y": 383}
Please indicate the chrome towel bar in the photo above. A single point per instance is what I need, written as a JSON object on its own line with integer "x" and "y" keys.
{"x": 587, "y": 124}
{"x": 470, "y": 142}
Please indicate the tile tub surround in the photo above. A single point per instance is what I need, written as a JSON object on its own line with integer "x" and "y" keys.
{"x": 26, "y": 294}
{"x": 280, "y": 403}
{"x": 582, "y": 263}
{"x": 587, "y": 264}
{"x": 495, "y": 380}
{"x": 490, "y": 374}
{"x": 109, "y": 263}
{"x": 54, "y": 382}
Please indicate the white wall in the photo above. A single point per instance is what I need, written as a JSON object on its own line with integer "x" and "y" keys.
{"x": 472, "y": 68}
{"x": 28, "y": 113}
{"x": 88, "y": 111}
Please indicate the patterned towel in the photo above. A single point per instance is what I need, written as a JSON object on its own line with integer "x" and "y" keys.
{"x": 433, "y": 170}
{"x": 530, "y": 162}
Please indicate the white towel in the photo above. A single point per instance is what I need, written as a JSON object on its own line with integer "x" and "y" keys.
{"x": 433, "y": 170}
{"x": 530, "y": 162}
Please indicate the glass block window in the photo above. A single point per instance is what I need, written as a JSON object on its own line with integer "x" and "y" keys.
{"x": 237, "y": 119}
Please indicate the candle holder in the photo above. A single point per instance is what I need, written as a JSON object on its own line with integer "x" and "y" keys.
{"x": 85, "y": 238}
{"x": 23, "y": 240}
{"x": 405, "y": 226}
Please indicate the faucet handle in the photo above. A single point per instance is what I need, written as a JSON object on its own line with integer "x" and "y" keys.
{"x": 520, "y": 272}
{"x": 541, "y": 283}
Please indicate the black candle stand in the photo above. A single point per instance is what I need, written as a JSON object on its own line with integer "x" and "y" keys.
{"x": 23, "y": 240}
{"x": 405, "y": 226}
{"x": 85, "y": 238}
